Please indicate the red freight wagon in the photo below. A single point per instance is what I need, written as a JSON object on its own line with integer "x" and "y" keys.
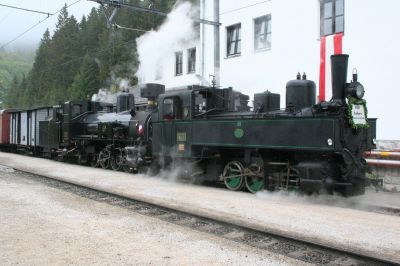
{"x": 4, "y": 127}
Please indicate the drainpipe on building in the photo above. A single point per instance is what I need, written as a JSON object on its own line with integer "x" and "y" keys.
{"x": 216, "y": 44}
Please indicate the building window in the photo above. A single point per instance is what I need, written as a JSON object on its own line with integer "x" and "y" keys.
{"x": 178, "y": 63}
{"x": 262, "y": 33}
{"x": 233, "y": 40}
{"x": 192, "y": 60}
{"x": 332, "y": 17}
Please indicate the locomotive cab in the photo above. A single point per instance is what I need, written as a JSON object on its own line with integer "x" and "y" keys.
{"x": 197, "y": 102}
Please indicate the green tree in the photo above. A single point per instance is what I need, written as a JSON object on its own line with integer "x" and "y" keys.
{"x": 12, "y": 94}
{"x": 86, "y": 82}
{"x": 39, "y": 78}
{"x": 66, "y": 55}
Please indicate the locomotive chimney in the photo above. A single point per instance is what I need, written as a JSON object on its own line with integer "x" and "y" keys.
{"x": 151, "y": 91}
{"x": 339, "y": 65}
{"x": 125, "y": 102}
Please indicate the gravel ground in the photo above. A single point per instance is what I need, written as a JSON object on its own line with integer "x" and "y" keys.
{"x": 40, "y": 225}
{"x": 323, "y": 221}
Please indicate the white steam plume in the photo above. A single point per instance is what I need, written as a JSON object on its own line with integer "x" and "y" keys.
{"x": 365, "y": 202}
{"x": 156, "y": 48}
{"x": 110, "y": 95}
{"x": 105, "y": 96}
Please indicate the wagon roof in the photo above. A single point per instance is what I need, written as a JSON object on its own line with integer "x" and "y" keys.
{"x": 26, "y": 110}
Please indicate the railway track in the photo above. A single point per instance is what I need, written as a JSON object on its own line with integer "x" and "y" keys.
{"x": 294, "y": 248}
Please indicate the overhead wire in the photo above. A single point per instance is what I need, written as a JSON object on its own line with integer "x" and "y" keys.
{"x": 244, "y": 7}
{"x": 81, "y": 58}
{"x": 38, "y": 23}
{"x": 28, "y": 10}
{"x": 240, "y": 8}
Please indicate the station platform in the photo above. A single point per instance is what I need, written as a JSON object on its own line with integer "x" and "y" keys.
{"x": 327, "y": 220}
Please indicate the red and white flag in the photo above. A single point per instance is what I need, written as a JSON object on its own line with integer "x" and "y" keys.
{"x": 332, "y": 44}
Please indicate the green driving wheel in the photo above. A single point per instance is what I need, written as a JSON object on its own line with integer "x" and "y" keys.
{"x": 255, "y": 178}
{"x": 233, "y": 175}
{"x": 254, "y": 183}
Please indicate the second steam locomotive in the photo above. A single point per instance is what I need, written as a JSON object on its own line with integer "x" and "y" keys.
{"x": 305, "y": 146}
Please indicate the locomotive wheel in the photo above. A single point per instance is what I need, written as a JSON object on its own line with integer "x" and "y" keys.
{"x": 117, "y": 162}
{"x": 115, "y": 165}
{"x": 233, "y": 175}
{"x": 255, "y": 178}
{"x": 104, "y": 159}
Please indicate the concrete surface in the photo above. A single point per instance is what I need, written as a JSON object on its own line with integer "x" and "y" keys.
{"x": 390, "y": 175}
{"x": 388, "y": 145}
{"x": 321, "y": 220}
{"x": 41, "y": 225}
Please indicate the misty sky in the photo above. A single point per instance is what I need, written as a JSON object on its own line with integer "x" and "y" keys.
{"x": 13, "y": 22}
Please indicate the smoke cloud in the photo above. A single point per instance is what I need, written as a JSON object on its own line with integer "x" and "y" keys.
{"x": 156, "y": 48}
{"x": 104, "y": 96}
{"x": 109, "y": 95}
{"x": 364, "y": 202}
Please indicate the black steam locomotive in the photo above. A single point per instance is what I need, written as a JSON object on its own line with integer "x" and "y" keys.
{"x": 306, "y": 146}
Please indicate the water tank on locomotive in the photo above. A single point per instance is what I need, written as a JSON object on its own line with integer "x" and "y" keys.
{"x": 266, "y": 102}
{"x": 300, "y": 93}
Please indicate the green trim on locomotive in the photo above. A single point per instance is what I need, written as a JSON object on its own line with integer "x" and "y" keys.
{"x": 205, "y": 133}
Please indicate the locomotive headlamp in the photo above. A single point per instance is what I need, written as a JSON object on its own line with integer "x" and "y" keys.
{"x": 140, "y": 130}
{"x": 329, "y": 142}
{"x": 356, "y": 90}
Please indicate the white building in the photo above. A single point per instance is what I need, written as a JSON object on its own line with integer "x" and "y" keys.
{"x": 264, "y": 44}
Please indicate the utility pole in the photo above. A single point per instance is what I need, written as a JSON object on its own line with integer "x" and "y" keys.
{"x": 202, "y": 47}
{"x": 217, "y": 57}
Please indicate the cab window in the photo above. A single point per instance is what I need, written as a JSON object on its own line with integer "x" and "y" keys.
{"x": 172, "y": 108}
{"x": 200, "y": 105}
{"x": 76, "y": 110}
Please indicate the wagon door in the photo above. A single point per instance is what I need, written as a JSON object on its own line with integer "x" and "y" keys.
{"x": 31, "y": 128}
{"x": 41, "y": 115}
{"x": 13, "y": 132}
